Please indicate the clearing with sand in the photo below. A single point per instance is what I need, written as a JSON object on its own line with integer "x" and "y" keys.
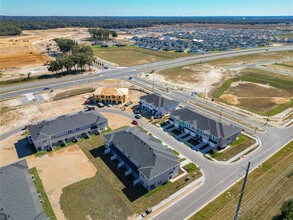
{"x": 27, "y": 52}
{"x": 255, "y": 96}
{"x": 70, "y": 165}
{"x": 197, "y": 77}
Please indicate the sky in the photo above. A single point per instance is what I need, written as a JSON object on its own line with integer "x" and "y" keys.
{"x": 146, "y": 7}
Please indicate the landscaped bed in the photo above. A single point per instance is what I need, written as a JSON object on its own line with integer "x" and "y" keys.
{"x": 40, "y": 190}
{"x": 109, "y": 194}
{"x": 239, "y": 145}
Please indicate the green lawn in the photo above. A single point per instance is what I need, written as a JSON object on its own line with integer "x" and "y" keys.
{"x": 131, "y": 56}
{"x": 72, "y": 92}
{"x": 240, "y": 144}
{"x": 175, "y": 152}
{"x": 109, "y": 195}
{"x": 267, "y": 188}
{"x": 262, "y": 77}
{"x": 40, "y": 189}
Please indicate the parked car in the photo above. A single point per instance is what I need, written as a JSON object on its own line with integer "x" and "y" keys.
{"x": 100, "y": 105}
{"x": 128, "y": 103}
{"x": 138, "y": 116}
{"x": 136, "y": 111}
{"x": 134, "y": 122}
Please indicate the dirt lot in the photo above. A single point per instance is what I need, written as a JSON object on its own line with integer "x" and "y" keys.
{"x": 255, "y": 96}
{"x": 8, "y": 152}
{"x": 60, "y": 169}
{"x": 26, "y": 53}
{"x": 197, "y": 77}
{"x": 13, "y": 114}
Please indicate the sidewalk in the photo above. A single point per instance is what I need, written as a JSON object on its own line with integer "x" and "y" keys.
{"x": 157, "y": 209}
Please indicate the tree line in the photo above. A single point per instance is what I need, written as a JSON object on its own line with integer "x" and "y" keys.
{"x": 9, "y": 29}
{"x": 73, "y": 56}
{"x": 49, "y": 22}
{"x": 101, "y": 34}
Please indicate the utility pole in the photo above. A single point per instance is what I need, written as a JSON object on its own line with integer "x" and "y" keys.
{"x": 268, "y": 118}
{"x": 221, "y": 114}
{"x": 241, "y": 194}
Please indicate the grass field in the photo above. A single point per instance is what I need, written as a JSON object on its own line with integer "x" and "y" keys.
{"x": 73, "y": 92}
{"x": 131, "y": 56}
{"x": 110, "y": 195}
{"x": 252, "y": 58}
{"x": 237, "y": 147}
{"x": 40, "y": 189}
{"x": 260, "y": 101}
{"x": 267, "y": 188}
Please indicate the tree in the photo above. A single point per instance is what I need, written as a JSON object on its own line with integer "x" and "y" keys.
{"x": 66, "y": 62}
{"x": 100, "y": 34}
{"x": 286, "y": 211}
{"x": 65, "y": 45}
{"x": 114, "y": 34}
{"x": 55, "y": 66}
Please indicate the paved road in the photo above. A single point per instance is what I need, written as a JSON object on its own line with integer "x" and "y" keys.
{"x": 218, "y": 176}
{"x": 37, "y": 86}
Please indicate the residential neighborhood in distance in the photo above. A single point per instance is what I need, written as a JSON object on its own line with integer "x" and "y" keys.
{"x": 156, "y": 110}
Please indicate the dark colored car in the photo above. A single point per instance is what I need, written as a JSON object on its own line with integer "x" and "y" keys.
{"x": 134, "y": 122}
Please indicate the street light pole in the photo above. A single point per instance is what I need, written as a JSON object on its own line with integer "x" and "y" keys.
{"x": 241, "y": 194}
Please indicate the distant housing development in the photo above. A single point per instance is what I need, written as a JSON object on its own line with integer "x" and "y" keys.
{"x": 47, "y": 134}
{"x": 111, "y": 95}
{"x": 157, "y": 104}
{"x": 19, "y": 198}
{"x": 144, "y": 157}
{"x": 204, "y": 129}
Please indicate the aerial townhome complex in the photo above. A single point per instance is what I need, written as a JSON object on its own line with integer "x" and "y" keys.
{"x": 207, "y": 131}
{"x": 47, "y": 134}
{"x": 111, "y": 95}
{"x": 157, "y": 104}
{"x": 144, "y": 157}
{"x": 19, "y": 197}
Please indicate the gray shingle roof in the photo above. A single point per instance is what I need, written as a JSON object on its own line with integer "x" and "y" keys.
{"x": 158, "y": 100}
{"x": 152, "y": 157}
{"x": 64, "y": 123}
{"x": 204, "y": 123}
{"x": 18, "y": 197}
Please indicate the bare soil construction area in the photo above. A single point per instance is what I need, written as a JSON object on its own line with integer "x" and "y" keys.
{"x": 60, "y": 169}
{"x": 27, "y": 52}
{"x": 197, "y": 77}
{"x": 256, "y": 97}
{"x": 14, "y": 114}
